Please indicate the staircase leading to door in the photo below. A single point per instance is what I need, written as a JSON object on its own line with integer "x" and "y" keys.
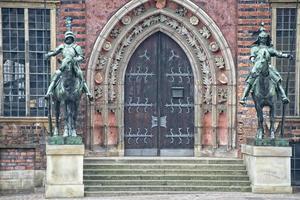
{"x": 158, "y": 175}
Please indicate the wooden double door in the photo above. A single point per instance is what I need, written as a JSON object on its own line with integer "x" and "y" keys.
{"x": 159, "y": 100}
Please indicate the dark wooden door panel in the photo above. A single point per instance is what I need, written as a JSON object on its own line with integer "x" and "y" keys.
{"x": 159, "y": 99}
{"x": 141, "y": 96}
{"x": 176, "y": 96}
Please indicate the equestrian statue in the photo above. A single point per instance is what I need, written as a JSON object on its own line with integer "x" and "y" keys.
{"x": 264, "y": 81}
{"x": 67, "y": 84}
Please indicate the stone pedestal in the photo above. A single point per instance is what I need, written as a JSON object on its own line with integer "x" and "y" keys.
{"x": 269, "y": 168}
{"x": 64, "y": 174}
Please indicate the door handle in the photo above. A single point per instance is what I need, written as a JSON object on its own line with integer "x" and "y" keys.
{"x": 162, "y": 122}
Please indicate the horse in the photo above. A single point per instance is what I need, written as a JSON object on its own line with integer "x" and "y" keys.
{"x": 67, "y": 91}
{"x": 264, "y": 93}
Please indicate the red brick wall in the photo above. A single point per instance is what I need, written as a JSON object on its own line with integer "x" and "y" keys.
{"x": 99, "y": 12}
{"x": 22, "y": 147}
{"x": 17, "y": 159}
{"x": 250, "y": 15}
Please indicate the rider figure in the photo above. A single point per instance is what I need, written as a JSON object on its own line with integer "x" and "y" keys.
{"x": 264, "y": 49}
{"x": 71, "y": 53}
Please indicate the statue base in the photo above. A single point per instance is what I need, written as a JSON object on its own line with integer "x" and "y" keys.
{"x": 56, "y": 140}
{"x": 64, "y": 174}
{"x": 60, "y": 140}
{"x": 269, "y": 168}
{"x": 73, "y": 140}
{"x": 278, "y": 142}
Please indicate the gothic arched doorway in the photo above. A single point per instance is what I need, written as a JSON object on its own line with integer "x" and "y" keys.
{"x": 159, "y": 100}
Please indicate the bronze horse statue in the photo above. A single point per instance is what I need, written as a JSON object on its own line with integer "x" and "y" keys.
{"x": 264, "y": 93}
{"x": 67, "y": 91}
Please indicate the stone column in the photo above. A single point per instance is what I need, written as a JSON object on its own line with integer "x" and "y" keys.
{"x": 64, "y": 174}
{"x": 269, "y": 168}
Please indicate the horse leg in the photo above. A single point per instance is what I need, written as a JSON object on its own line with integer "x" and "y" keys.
{"x": 260, "y": 129}
{"x": 66, "y": 126}
{"x": 57, "y": 114}
{"x": 70, "y": 118}
{"x": 73, "y": 118}
{"x": 272, "y": 121}
{"x": 75, "y": 114}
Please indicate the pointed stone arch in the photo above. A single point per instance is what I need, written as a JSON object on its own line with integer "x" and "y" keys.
{"x": 203, "y": 43}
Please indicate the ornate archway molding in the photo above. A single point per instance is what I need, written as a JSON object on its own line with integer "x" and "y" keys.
{"x": 199, "y": 37}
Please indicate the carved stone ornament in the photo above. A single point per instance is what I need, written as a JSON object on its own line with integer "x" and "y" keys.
{"x": 205, "y": 32}
{"x": 213, "y": 46}
{"x": 126, "y": 20}
{"x": 222, "y": 108}
{"x": 107, "y": 46}
{"x": 223, "y": 79}
{"x": 102, "y": 61}
{"x": 207, "y": 82}
{"x": 98, "y": 91}
{"x": 160, "y": 4}
{"x": 98, "y": 78}
{"x": 222, "y": 95}
{"x": 138, "y": 11}
{"x": 179, "y": 28}
{"x": 220, "y": 62}
{"x": 181, "y": 11}
{"x": 194, "y": 20}
{"x": 115, "y": 33}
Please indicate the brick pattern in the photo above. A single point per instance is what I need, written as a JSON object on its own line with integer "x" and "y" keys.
{"x": 17, "y": 159}
{"x": 250, "y": 14}
{"x": 22, "y": 146}
{"x": 76, "y": 9}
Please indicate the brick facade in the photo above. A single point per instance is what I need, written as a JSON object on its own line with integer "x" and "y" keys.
{"x": 250, "y": 15}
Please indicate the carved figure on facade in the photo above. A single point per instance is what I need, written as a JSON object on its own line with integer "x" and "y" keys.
{"x": 264, "y": 81}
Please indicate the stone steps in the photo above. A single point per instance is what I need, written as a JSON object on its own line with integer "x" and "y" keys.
{"x": 166, "y": 177}
{"x": 162, "y": 172}
{"x": 130, "y": 175}
{"x": 166, "y": 182}
{"x": 166, "y": 166}
{"x": 160, "y": 160}
{"x": 169, "y": 188}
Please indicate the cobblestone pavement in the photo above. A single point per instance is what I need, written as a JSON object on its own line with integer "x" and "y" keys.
{"x": 198, "y": 196}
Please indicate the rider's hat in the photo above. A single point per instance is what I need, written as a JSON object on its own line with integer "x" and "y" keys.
{"x": 69, "y": 34}
{"x": 262, "y": 34}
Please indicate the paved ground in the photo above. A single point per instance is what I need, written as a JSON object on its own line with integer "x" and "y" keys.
{"x": 198, "y": 196}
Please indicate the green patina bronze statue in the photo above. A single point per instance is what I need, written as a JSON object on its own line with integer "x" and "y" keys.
{"x": 264, "y": 81}
{"x": 67, "y": 84}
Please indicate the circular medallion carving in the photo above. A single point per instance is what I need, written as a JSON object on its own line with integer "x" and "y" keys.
{"x": 194, "y": 20}
{"x": 126, "y": 20}
{"x": 98, "y": 78}
{"x": 223, "y": 79}
{"x": 213, "y": 46}
{"x": 107, "y": 46}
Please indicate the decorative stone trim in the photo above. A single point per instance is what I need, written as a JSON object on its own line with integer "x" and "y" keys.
{"x": 208, "y": 58}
